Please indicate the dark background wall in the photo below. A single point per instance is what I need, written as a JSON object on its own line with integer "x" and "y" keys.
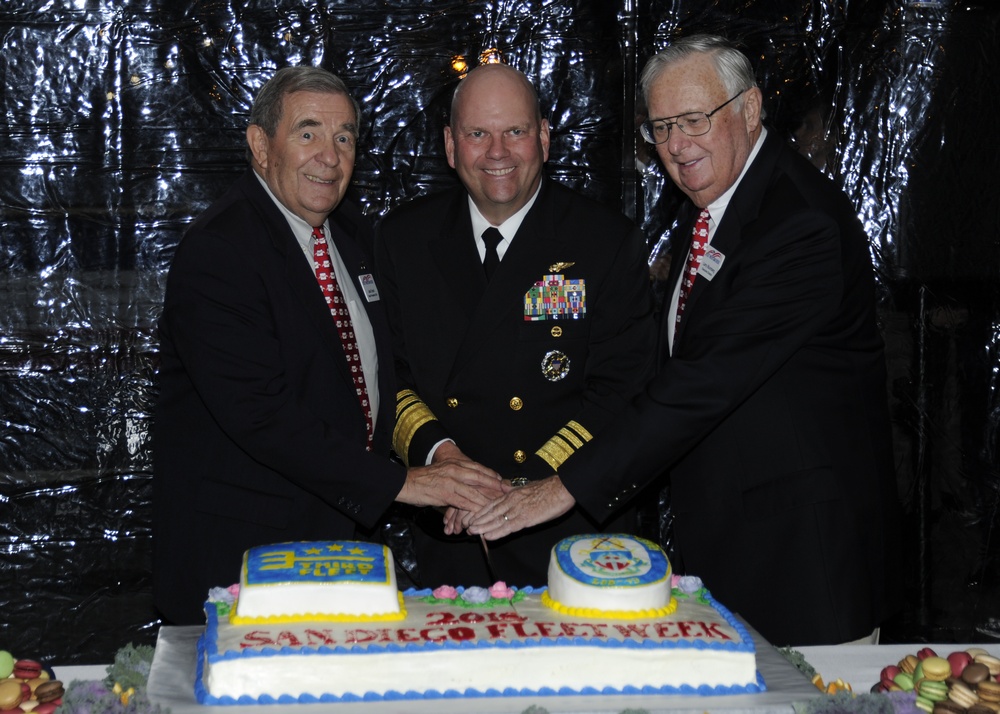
{"x": 122, "y": 120}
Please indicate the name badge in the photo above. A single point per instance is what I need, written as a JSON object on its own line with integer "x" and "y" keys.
{"x": 711, "y": 263}
{"x": 368, "y": 287}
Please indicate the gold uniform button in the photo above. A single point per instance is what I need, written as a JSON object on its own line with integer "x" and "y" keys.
{"x": 516, "y": 403}
{"x": 520, "y": 457}
{"x": 556, "y": 331}
{"x": 452, "y": 402}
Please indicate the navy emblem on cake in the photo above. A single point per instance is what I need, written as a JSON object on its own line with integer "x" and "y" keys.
{"x": 624, "y": 559}
{"x": 615, "y": 575}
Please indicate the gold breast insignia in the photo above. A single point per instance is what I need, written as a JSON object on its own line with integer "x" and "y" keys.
{"x": 559, "y": 267}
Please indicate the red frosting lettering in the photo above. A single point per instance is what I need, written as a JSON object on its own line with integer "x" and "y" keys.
{"x": 685, "y": 628}
{"x": 256, "y": 638}
{"x": 425, "y": 634}
{"x": 319, "y": 637}
{"x": 496, "y": 631}
{"x": 664, "y": 630}
{"x": 521, "y": 632}
{"x": 712, "y": 630}
{"x": 288, "y": 639}
{"x": 361, "y": 636}
{"x": 632, "y": 629}
{"x": 546, "y": 629}
{"x": 461, "y": 633}
{"x": 407, "y": 634}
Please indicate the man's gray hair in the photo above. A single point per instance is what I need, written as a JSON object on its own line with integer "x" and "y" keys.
{"x": 267, "y": 107}
{"x": 733, "y": 67}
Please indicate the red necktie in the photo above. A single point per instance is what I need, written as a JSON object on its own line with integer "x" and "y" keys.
{"x": 342, "y": 317}
{"x": 699, "y": 241}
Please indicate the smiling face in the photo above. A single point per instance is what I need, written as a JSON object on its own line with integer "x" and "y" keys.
{"x": 308, "y": 162}
{"x": 704, "y": 167}
{"x": 496, "y": 141}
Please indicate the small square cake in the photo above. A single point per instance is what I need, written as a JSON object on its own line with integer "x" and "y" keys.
{"x": 317, "y": 581}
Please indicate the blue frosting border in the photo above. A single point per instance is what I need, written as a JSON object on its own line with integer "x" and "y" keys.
{"x": 207, "y": 649}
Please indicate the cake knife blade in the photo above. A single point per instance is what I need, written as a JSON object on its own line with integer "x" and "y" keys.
{"x": 493, "y": 572}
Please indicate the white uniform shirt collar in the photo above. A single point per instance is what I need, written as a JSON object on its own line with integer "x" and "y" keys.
{"x": 508, "y": 229}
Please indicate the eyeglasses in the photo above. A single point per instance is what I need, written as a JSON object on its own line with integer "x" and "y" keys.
{"x": 657, "y": 131}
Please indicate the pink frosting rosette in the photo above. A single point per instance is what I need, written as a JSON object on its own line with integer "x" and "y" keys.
{"x": 445, "y": 592}
{"x": 500, "y": 590}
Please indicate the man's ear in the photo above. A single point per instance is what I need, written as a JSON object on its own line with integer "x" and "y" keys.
{"x": 751, "y": 107}
{"x": 543, "y": 138}
{"x": 449, "y": 145}
{"x": 258, "y": 143}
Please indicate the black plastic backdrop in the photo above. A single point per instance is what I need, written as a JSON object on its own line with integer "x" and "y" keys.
{"x": 123, "y": 120}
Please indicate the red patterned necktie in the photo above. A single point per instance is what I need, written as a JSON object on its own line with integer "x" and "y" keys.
{"x": 699, "y": 241}
{"x": 342, "y": 317}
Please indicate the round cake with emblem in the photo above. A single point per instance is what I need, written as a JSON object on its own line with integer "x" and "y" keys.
{"x": 612, "y": 575}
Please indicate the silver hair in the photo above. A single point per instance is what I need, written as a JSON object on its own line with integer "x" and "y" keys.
{"x": 732, "y": 66}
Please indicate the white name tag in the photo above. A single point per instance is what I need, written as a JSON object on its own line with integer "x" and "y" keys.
{"x": 711, "y": 262}
{"x": 368, "y": 287}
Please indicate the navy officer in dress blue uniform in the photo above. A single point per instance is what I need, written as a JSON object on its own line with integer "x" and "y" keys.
{"x": 513, "y": 358}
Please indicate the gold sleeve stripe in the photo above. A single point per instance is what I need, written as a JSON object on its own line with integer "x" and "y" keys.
{"x": 411, "y": 414}
{"x": 561, "y": 446}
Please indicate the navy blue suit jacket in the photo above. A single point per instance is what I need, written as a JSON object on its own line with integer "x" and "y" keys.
{"x": 259, "y": 436}
{"x": 771, "y": 414}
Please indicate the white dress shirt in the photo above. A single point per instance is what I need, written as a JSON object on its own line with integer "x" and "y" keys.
{"x": 363, "y": 331}
{"x": 716, "y": 209}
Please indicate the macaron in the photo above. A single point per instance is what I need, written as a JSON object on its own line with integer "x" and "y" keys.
{"x": 49, "y": 691}
{"x": 948, "y": 707}
{"x": 962, "y": 695}
{"x": 46, "y": 708}
{"x": 908, "y": 663}
{"x": 6, "y": 664}
{"x": 976, "y": 651}
{"x": 959, "y": 661}
{"x": 924, "y": 704}
{"x": 936, "y": 668}
{"x": 10, "y": 694}
{"x": 991, "y": 662}
{"x": 988, "y": 690}
{"x": 27, "y": 669}
{"x": 932, "y": 690}
{"x": 975, "y": 673}
{"x": 904, "y": 681}
{"x": 981, "y": 708}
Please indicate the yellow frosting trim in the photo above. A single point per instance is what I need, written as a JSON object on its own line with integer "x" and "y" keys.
{"x": 411, "y": 414}
{"x": 591, "y": 612}
{"x": 564, "y": 444}
{"x": 318, "y": 617}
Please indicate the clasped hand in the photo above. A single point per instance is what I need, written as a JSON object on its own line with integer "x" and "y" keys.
{"x": 517, "y": 508}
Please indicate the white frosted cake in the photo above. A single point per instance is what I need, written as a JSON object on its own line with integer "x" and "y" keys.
{"x": 614, "y": 620}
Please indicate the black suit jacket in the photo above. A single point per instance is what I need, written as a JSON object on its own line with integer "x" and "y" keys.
{"x": 259, "y": 436}
{"x": 772, "y": 415}
{"x": 470, "y": 367}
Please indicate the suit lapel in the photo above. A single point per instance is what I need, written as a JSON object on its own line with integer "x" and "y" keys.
{"x": 729, "y": 233}
{"x": 298, "y": 273}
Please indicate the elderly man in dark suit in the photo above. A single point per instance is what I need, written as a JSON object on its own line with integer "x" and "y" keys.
{"x": 517, "y": 351}
{"x": 769, "y": 407}
{"x": 276, "y": 384}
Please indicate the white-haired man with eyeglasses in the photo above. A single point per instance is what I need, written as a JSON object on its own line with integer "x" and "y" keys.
{"x": 769, "y": 409}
